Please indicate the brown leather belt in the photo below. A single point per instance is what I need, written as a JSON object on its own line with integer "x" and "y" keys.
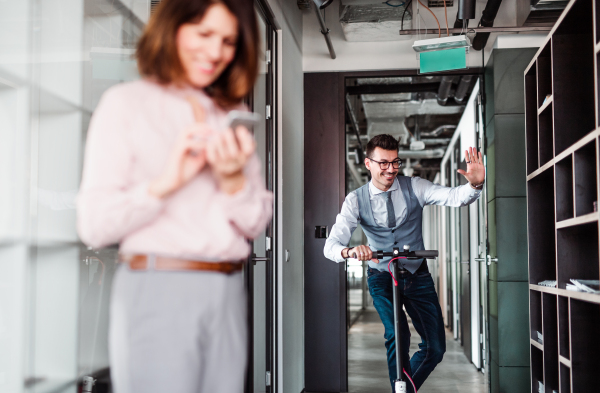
{"x": 141, "y": 262}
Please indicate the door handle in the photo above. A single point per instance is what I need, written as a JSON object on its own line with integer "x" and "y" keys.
{"x": 488, "y": 258}
{"x": 261, "y": 259}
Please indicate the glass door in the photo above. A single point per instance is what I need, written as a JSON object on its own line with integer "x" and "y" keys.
{"x": 261, "y": 270}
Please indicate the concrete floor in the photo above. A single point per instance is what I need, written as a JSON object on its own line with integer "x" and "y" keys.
{"x": 367, "y": 367}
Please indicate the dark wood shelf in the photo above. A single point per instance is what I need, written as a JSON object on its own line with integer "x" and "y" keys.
{"x": 562, "y": 128}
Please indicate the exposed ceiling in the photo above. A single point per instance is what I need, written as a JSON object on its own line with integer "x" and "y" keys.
{"x": 409, "y": 109}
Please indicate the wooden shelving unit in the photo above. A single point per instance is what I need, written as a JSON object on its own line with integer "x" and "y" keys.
{"x": 563, "y": 135}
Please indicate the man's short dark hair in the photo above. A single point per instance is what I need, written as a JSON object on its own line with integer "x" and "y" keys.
{"x": 384, "y": 141}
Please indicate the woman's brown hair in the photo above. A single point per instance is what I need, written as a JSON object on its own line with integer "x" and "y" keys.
{"x": 157, "y": 54}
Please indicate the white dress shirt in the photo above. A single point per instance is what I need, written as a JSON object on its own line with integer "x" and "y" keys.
{"x": 427, "y": 193}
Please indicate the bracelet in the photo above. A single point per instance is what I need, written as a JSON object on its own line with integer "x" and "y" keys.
{"x": 477, "y": 186}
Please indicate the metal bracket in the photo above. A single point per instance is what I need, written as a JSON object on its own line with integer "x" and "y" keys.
{"x": 268, "y": 243}
{"x": 268, "y": 378}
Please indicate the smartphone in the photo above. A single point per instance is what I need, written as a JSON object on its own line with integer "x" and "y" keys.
{"x": 241, "y": 118}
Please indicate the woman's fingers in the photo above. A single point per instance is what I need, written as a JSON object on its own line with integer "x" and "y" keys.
{"x": 246, "y": 141}
{"x": 230, "y": 144}
{"x": 197, "y": 109}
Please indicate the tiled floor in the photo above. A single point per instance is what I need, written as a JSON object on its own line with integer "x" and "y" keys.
{"x": 367, "y": 368}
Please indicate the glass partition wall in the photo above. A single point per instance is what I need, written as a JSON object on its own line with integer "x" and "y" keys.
{"x": 57, "y": 58}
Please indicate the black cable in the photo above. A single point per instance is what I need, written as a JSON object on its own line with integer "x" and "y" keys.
{"x": 405, "y": 8}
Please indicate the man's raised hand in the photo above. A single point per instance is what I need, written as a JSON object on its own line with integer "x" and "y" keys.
{"x": 475, "y": 173}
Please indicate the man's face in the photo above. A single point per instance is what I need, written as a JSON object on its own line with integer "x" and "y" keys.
{"x": 382, "y": 178}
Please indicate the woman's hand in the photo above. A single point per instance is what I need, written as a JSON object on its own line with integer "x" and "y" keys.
{"x": 187, "y": 158}
{"x": 475, "y": 173}
{"x": 227, "y": 153}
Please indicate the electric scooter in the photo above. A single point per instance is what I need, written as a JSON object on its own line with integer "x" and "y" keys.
{"x": 396, "y": 254}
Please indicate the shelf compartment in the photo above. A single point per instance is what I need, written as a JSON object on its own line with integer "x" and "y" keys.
{"x": 544, "y": 73}
{"x": 564, "y": 189}
{"x": 537, "y": 368}
{"x": 546, "y": 135}
{"x": 586, "y": 187}
{"x": 585, "y": 341}
{"x": 540, "y": 209}
{"x": 563, "y": 327}
{"x": 550, "y": 325}
{"x": 573, "y": 76}
{"x": 531, "y": 120}
{"x": 565, "y": 379}
{"x": 577, "y": 253}
{"x": 535, "y": 313}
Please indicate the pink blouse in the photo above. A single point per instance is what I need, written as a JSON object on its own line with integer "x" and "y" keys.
{"x": 129, "y": 141}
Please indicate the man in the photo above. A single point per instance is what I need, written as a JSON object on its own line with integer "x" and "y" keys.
{"x": 389, "y": 209}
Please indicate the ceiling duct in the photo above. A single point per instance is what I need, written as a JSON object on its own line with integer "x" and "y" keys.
{"x": 444, "y": 90}
{"x": 487, "y": 20}
{"x": 374, "y": 20}
{"x": 431, "y": 153}
{"x": 460, "y": 96}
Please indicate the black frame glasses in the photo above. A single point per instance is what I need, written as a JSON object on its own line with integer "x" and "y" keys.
{"x": 396, "y": 164}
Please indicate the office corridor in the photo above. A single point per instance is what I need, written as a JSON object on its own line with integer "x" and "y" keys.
{"x": 367, "y": 369}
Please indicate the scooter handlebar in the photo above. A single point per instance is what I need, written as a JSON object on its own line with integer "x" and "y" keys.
{"x": 429, "y": 254}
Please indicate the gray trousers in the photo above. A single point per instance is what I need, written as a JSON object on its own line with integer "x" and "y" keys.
{"x": 183, "y": 332}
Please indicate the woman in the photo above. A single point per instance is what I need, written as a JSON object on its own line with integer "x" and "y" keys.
{"x": 180, "y": 192}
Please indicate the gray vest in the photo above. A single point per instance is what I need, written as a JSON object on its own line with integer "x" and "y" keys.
{"x": 409, "y": 231}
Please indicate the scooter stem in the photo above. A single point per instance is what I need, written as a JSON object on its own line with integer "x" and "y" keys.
{"x": 397, "y": 312}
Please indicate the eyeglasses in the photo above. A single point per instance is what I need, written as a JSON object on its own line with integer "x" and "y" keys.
{"x": 385, "y": 165}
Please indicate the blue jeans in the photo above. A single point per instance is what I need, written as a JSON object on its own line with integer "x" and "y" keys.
{"x": 421, "y": 302}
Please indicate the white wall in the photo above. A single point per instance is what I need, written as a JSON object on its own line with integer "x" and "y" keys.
{"x": 291, "y": 202}
{"x": 385, "y": 55}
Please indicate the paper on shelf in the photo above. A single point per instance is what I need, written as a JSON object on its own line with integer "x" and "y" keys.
{"x": 589, "y": 286}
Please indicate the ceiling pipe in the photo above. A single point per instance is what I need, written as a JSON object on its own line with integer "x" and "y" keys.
{"x": 317, "y": 6}
{"x": 487, "y": 20}
{"x": 439, "y": 131}
{"x": 436, "y": 141}
{"x": 460, "y": 96}
{"x": 353, "y": 120}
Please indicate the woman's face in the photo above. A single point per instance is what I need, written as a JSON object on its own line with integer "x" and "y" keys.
{"x": 206, "y": 48}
